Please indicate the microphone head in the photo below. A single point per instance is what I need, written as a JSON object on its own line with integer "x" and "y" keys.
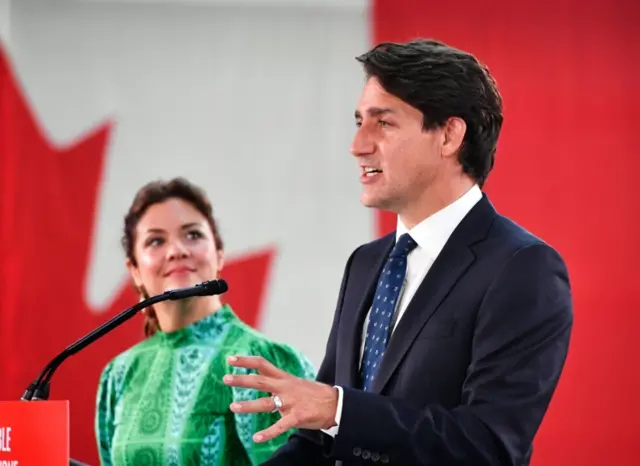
{"x": 208, "y": 288}
{"x": 214, "y": 287}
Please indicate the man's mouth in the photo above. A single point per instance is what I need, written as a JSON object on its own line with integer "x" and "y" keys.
{"x": 370, "y": 171}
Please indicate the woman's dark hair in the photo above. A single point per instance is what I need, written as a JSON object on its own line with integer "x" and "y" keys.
{"x": 156, "y": 192}
{"x": 443, "y": 82}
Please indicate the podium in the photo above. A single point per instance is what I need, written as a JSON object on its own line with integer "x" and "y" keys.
{"x": 34, "y": 433}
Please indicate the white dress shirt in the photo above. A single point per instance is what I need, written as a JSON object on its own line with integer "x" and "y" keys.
{"x": 431, "y": 235}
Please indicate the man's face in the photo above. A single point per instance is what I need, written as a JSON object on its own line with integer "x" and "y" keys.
{"x": 398, "y": 159}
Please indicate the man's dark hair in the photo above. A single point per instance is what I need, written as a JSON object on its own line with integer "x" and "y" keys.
{"x": 443, "y": 82}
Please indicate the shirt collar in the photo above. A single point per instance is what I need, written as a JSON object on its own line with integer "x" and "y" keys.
{"x": 433, "y": 232}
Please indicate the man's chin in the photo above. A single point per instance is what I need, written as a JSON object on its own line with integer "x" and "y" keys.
{"x": 372, "y": 202}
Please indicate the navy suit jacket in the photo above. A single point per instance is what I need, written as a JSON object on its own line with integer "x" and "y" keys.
{"x": 470, "y": 368}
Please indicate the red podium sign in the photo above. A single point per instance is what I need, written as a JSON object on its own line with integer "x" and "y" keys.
{"x": 34, "y": 433}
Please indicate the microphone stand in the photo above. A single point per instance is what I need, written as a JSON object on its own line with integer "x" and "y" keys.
{"x": 39, "y": 389}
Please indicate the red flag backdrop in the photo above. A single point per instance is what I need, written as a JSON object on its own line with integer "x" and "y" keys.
{"x": 567, "y": 170}
{"x": 47, "y": 209}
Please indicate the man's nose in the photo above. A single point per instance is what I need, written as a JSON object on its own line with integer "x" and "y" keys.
{"x": 362, "y": 143}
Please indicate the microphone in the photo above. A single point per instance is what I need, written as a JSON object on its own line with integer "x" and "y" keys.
{"x": 39, "y": 389}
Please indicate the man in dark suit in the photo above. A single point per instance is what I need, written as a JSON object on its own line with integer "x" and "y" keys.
{"x": 451, "y": 333}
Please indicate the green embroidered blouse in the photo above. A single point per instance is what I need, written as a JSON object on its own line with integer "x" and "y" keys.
{"x": 163, "y": 400}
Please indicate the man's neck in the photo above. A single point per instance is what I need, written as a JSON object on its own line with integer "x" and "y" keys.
{"x": 434, "y": 199}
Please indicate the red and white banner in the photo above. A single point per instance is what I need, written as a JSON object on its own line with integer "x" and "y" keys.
{"x": 256, "y": 106}
{"x": 566, "y": 169}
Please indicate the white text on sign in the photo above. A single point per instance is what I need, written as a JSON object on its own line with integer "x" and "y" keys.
{"x": 5, "y": 438}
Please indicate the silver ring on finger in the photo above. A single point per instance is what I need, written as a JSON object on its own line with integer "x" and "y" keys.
{"x": 277, "y": 403}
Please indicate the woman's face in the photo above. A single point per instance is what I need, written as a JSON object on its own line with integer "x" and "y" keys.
{"x": 174, "y": 248}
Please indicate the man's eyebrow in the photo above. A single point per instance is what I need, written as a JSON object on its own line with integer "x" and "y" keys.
{"x": 374, "y": 112}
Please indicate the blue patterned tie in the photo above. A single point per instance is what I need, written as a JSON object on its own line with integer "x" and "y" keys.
{"x": 383, "y": 308}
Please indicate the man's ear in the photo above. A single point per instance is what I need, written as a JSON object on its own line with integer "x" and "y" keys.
{"x": 454, "y": 130}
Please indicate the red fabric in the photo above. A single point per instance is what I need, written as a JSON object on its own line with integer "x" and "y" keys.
{"x": 567, "y": 170}
{"x": 47, "y": 213}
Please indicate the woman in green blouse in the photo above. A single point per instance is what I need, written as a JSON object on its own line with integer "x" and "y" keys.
{"x": 163, "y": 402}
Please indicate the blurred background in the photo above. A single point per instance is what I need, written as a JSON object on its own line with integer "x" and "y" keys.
{"x": 253, "y": 100}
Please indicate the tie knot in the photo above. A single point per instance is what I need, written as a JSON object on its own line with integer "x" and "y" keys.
{"x": 404, "y": 246}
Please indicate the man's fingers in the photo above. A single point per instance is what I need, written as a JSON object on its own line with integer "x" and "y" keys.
{"x": 279, "y": 428}
{"x": 261, "y": 405}
{"x": 257, "y": 363}
{"x": 259, "y": 382}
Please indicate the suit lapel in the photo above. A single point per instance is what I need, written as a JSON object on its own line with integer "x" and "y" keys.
{"x": 454, "y": 260}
